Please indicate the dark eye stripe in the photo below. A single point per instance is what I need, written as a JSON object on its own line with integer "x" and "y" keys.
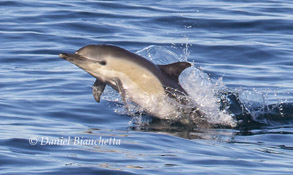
{"x": 102, "y": 62}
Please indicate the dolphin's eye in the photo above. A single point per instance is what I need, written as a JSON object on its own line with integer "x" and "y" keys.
{"x": 102, "y": 63}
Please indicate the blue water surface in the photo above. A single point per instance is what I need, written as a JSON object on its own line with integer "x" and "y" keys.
{"x": 246, "y": 43}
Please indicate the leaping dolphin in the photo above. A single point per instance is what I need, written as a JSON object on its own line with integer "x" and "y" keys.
{"x": 152, "y": 87}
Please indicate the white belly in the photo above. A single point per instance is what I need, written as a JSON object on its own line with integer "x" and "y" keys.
{"x": 157, "y": 104}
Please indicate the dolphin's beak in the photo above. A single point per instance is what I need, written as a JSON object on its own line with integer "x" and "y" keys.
{"x": 73, "y": 58}
{"x": 65, "y": 56}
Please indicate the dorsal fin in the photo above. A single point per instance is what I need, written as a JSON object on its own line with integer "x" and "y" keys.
{"x": 174, "y": 69}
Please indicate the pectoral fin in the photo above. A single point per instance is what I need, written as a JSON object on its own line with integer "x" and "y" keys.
{"x": 122, "y": 92}
{"x": 98, "y": 89}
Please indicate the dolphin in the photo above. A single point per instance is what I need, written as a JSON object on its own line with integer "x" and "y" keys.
{"x": 154, "y": 88}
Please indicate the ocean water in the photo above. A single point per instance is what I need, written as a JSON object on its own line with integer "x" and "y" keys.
{"x": 51, "y": 124}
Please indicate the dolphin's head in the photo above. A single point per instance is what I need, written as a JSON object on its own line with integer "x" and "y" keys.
{"x": 91, "y": 54}
{"x": 90, "y": 58}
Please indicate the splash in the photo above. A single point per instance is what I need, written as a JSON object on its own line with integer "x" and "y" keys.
{"x": 201, "y": 88}
{"x": 268, "y": 107}
{"x": 210, "y": 96}
{"x": 203, "y": 91}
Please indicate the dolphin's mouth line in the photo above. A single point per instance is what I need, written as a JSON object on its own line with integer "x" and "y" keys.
{"x": 65, "y": 56}
{"x": 68, "y": 56}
